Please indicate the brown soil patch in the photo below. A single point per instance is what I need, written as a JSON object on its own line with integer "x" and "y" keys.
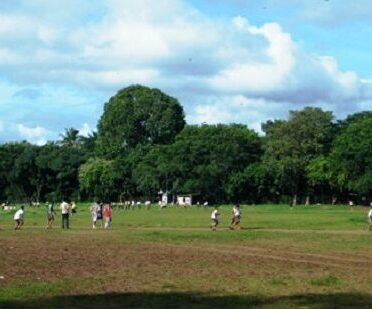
{"x": 150, "y": 267}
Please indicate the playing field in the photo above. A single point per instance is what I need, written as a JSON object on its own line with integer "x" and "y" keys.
{"x": 306, "y": 257}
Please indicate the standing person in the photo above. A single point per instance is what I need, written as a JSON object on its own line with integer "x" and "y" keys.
{"x": 65, "y": 211}
{"x": 107, "y": 214}
{"x": 18, "y": 218}
{"x": 50, "y": 215}
{"x": 232, "y": 217}
{"x": 237, "y": 216}
{"x": 99, "y": 213}
{"x": 214, "y": 219}
{"x": 73, "y": 208}
{"x": 370, "y": 218}
{"x": 94, "y": 212}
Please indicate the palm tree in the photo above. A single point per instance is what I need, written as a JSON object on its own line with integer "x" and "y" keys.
{"x": 71, "y": 138}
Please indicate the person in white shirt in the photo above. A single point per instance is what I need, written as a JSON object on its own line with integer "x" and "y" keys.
{"x": 235, "y": 217}
{"x": 18, "y": 218}
{"x": 94, "y": 211}
{"x": 214, "y": 218}
{"x": 65, "y": 211}
{"x": 370, "y": 218}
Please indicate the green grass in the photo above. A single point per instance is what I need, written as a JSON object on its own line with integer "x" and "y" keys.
{"x": 314, "y": 256}
{"x": 265, "y": 216}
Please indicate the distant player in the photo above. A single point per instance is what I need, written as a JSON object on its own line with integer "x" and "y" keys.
{"x": 18, "y": 218}
{"x": 94, "y": 212}
{"x": 370, "y": 218}
{"x": 235, "y": 222}
{"x": 50, "y": 215}
{"x": 65, "y": 212}
{"x": 107, "y": 214}
{"x": 73, "y": 208}
{"x": 100, "y": 213}
{"x": 214, "y": 218}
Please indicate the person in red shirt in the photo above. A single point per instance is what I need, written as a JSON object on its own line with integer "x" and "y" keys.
{"x": 107, "y": 215}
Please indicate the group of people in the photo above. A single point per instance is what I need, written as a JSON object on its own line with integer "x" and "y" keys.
{"x": 19, "y": 215}
{"x": 101, "y": 212}
{"x": 235, "y": 218}
{"x": 67, "y": 209}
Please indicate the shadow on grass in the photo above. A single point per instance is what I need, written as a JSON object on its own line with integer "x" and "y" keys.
{"x": 252, "y": 228}
{"x": 190, "y": 301}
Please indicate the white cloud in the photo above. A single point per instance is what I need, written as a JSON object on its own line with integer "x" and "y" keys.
{"x": 85, "y": 130}
{"x": 35, "y": 135}
{"x": 211, "y": 114}
{"x": 170, "y": 45}
{"x": 236, "y": 109}
{"x": 259, "y": 76}
{"x": 119, "y": 77}
{"x": 233, "y": 70}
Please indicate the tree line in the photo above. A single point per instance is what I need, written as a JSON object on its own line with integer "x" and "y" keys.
{"x": 143, "y": 145}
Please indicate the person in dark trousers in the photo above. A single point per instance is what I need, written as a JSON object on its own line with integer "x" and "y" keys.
{"x": 65, "y": 211}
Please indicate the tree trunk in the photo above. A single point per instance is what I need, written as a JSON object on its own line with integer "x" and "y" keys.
{"x": 307, "y": 201}
{"x": 334, "y": 200}
{"x": 294, "y": 200}
{"x": 38, "y": 191}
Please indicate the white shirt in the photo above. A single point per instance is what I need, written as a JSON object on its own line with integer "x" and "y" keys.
{"x": 65, "y": 208}
{"x": 236, "y": 212}
{"x": 94, "y": 209}
{"x": 18, "y": 215}
{"x": 370, "y": 214}
{"x": 214, "y": 214}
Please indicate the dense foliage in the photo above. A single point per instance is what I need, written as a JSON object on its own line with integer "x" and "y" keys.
{"x": 138, "y": 115}
{"x": 143, "y": 145}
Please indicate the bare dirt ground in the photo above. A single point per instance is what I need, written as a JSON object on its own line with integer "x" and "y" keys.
{"x": 107, "y": 267}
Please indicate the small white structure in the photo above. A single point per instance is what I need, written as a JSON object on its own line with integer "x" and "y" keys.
{"x": 8, "y": 208}
{"x": 184, "y": 200}
{"x": 165, "y": 197}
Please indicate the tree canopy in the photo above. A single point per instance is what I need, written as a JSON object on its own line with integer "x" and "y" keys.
{"x": 138, "y": 115}
{"x": 143, "y": 145}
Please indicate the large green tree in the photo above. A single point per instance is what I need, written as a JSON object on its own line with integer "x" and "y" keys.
{"x": 351, "y": 156}
{"x": 138, "y": 115}
{"x": 16, "y": 165}
{"x": 199, "y": 161}
{"x": 59, "y": 166}
{"x": 291, "y": 145}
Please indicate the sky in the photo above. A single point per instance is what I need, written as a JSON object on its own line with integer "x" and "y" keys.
{"x": 225, "y": 61}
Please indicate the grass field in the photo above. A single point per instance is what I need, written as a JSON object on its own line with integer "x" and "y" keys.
{"x": 306, "y": 257}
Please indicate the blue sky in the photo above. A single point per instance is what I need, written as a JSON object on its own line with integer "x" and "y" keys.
{"x": 226, "y": 61}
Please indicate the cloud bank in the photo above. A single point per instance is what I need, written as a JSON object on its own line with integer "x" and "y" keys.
{"x": 58, "y": 67}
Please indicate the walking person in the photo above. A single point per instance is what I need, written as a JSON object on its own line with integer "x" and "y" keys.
{"x": 107, "y": 215}
{"x": 94, "y": 212}
{"x": 232, "y": 217}
{"x": 370, "y": 218}
{"x": 214, "y": 218}
{"x": 235, "y": 217}
{"x": 100, "y": 213}
{"x": 18, "y": 218}
{"x": 50, "y": 215}
{"x": 65, "y": 211}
